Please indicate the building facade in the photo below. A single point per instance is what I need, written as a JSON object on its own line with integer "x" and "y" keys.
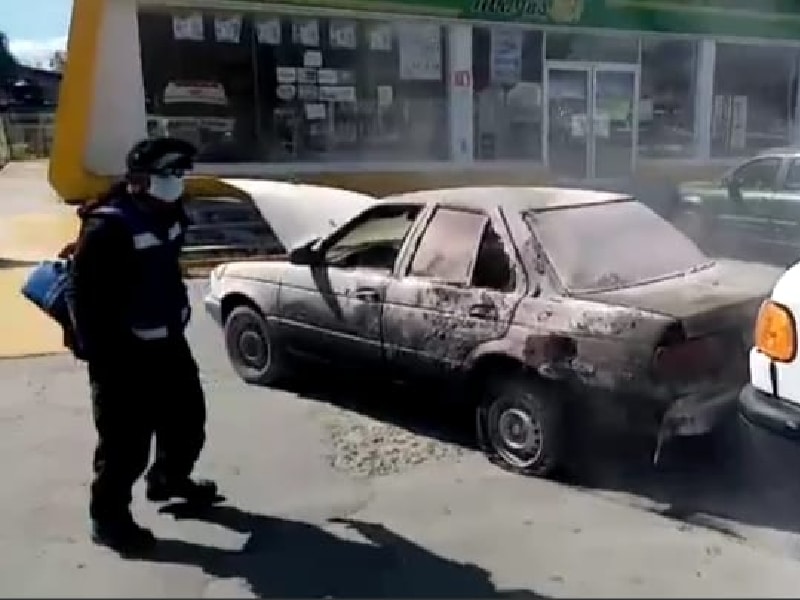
{"x": 384, "y": 95}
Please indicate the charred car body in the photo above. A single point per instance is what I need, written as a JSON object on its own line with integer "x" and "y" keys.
{"x": 528, "y": 300}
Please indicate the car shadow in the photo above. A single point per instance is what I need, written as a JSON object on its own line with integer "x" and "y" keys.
{"x": 292, "y": 559}
{"x": 737, "y": 475}
{"x": 425, "y": 409}
{"x": 741, "y": 475}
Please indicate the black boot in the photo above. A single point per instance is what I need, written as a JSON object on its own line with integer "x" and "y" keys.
{"x": 123, "y": 535}
{"x": 202, "y": 491}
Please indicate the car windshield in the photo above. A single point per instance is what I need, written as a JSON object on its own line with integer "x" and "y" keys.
{"x": 612, "y": 246}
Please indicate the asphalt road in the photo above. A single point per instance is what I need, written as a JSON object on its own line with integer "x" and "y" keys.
{"x": 348, "y": 490}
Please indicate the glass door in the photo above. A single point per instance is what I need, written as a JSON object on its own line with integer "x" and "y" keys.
{"x": 592, "y": 119}
{"x": 567, "y": 120}
{"x": 615, "y": 119}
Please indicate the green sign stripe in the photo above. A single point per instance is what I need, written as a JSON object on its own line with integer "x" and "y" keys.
{"x": 416, "y": 8}
{"x": 708, "y": 10}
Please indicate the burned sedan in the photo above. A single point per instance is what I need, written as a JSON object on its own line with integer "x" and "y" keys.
{"x": 533, "y": 303}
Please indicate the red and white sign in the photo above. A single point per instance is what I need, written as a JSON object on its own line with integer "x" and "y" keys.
{"x": 462, "y": 78}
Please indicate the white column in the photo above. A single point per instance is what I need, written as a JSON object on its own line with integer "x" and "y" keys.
{"x": 704, "y": 98}
{"x": 118, "y": 118}
{"x": 459, "y": 88}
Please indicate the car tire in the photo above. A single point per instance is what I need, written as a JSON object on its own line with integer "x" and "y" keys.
{"x": 521, "y": 425}
{"x": 252, "y": 348}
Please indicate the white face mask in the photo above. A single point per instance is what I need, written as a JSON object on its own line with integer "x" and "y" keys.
{"x": 166, "y": 189}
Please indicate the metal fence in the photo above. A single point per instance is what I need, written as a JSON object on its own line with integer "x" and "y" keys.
{"x": 26, "y": 134}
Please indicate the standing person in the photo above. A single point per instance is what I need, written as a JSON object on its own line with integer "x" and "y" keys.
{"x": 131, "y": 307}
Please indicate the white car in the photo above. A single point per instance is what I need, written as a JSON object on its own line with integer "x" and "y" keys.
{"x": 772, "y": 398}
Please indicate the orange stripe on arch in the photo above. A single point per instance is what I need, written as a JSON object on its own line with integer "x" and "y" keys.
{"x": 68, "y": 174}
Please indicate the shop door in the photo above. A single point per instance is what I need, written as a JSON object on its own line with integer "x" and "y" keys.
{"x": 592, "y": 119}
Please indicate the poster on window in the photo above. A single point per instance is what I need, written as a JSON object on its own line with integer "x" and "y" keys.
{"x": 268, "y": 31}
{"x": 188, "y": 27}
{"x": 739, "y": 122}
{"x": 228, "y": 29}
{"x": 305, "y": 32}
{"x": 506, "y": 63}
{"x": 342, "y": 34}
{"x": 327, "y": 77}
{"x": 380, "y": 38}
{"x": 420, "y": 46}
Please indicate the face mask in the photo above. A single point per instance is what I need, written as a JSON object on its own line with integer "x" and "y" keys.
{"x": 166, "y": 189}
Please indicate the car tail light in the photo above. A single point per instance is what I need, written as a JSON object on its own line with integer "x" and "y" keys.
{"x": 775, "y": 332}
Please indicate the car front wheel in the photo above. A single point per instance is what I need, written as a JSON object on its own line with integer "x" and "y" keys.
{"x": 520, "y": 425}
{"x": 253, "y": 350}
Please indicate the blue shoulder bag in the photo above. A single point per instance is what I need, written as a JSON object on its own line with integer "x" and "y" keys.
{"x": 49, "y": 287}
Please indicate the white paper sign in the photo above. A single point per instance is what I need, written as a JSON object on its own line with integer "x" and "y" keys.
{"x": 380, "y": 38}
{"x": 339, "y": 93}
{"x": 327, "y": 77}
{"x": 286, "y": 74}
{"x": 342, "y": 34}
{"x": 312, "y": 58}
{"x": 420, "y": 48}
{"x": 315, "y": 112}
{"x": 228, "y": 29}
{"x": 385, "y": 95}
{"x": 306, "y": 32}
{"x": 285, "y": 92}
{"x": 268, "y": 31}
{"x": 188, "y": 27}
{"x": 739, "y": 122}
{"x": 506, "y": 63}
{"x": 306, "y": 76}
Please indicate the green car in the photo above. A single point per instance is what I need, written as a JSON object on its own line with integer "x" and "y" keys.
{"x": 751, "y": 213}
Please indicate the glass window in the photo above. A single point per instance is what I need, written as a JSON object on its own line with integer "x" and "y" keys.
{"x": 592, "y": 47}
{"x": 449, "y": 246}
{"x": 754, "y": 98}
{"x": 666, "y": 104}
{"x": 375, "y": 240}
{"x": 264, "y": 88}
{"x": 759, "y": 174}
{"x": 607, "y": 255}
{"x": 507, "y": 80}
{"x": 493, "y": 268}
{"x": 793, "y": 176}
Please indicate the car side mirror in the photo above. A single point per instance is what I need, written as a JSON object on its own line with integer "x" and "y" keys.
{"x": 305, "y": 253}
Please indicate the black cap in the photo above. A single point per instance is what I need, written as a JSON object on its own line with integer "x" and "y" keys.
{"x": 159, "y": 154}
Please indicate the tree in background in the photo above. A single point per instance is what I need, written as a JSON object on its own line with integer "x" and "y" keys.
{"x": 8, "y": 64}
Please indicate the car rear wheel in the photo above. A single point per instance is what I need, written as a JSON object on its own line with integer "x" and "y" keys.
{"x": 520, "y": 424}
{"x": 253, "y": 350}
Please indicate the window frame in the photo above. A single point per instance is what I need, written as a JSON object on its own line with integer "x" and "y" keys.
{"x": 735, "y": 177}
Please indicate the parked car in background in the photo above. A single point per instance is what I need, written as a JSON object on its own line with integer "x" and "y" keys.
{"x": 533, "y": 304}
{"x": 752, "y": 212}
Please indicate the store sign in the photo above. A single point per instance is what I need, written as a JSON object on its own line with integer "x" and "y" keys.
{"x": 506, "y": 55}
{"x": 776, "y": 19}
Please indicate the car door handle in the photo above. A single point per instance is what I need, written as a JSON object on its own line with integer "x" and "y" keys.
{"x": 483, "y": 311}
{"x": 367, "y": 294}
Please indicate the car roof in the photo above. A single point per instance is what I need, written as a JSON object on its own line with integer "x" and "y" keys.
{"x": 296, "y": 211}
{"x": 782, "y": 152}
{"x": 512, "y": 198}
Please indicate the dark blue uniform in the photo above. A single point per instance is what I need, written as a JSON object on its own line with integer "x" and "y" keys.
{"x": 131, "y": 308}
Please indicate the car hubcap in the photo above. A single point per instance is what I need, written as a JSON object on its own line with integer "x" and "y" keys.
{"x": 253, "y": 348}
{"x": 515, "y": 435}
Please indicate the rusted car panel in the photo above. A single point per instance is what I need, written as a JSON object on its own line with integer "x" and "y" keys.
{"x": 442, "y": 282}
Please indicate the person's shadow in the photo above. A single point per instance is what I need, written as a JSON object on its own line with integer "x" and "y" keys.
{"x": 293, "y": 559}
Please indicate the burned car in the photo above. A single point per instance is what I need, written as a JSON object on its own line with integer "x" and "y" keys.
{"x": 527, "y": 301}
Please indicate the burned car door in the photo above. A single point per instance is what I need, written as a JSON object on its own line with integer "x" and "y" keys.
{"x": 332, "y": 309}
{"x": 457, "y": 291}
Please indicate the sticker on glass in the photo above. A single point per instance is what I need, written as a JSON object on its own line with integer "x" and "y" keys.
{"x": 228, "y": 29}
{"x": 188, "y": 27}
{"x": 268, "y": 31}
{"x": 420, "y": 47}
{"x": 380, "y": 38}
{"x": 305, "y": 32}
{"x": 315, "y": 111}
{"x": 306, "y": 76}
{"x": 327, "y": 77}
{"x": 286, "y": 74}
{"x": 342, "y": 34}
{"x": 337, "y": 93}
{"x": 312, "y": 59}
{"x": 307, "y": 92}
{"x": 285, "y": 92}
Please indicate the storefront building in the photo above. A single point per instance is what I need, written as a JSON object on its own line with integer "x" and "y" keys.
{"x": 388, "y": 95}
